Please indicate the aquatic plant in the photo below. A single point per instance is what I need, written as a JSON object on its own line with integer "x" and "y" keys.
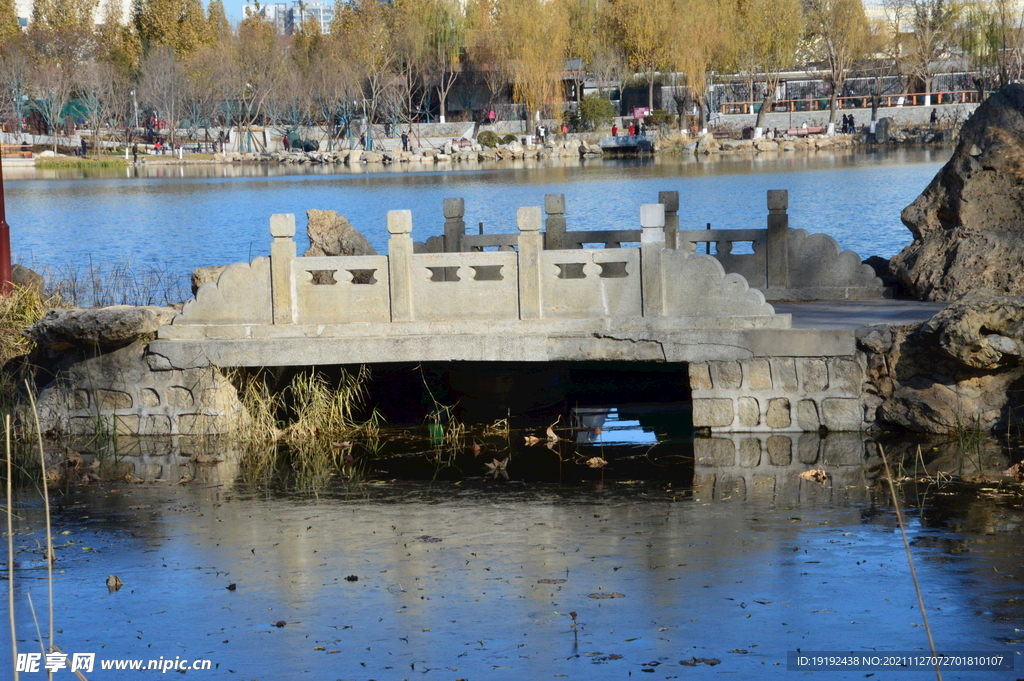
{"x": 79, "y": 163}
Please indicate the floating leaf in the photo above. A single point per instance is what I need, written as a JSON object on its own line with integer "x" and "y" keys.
{"x": 602, "y": 595}
{"x": 817, "y": 475}
{"x": 551, "y": 581}
{"x": 596, "y": 462}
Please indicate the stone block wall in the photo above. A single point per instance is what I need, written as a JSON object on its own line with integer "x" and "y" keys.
{"x": 117, "y": 392}
{"x": 779, "y": 394}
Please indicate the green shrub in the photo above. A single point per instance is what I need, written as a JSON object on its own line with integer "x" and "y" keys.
{"x": 595, "y": 111}
{"x": 660, "y": 116}
{"x": 488, "y": 138}
{"x": 509, "y": 139}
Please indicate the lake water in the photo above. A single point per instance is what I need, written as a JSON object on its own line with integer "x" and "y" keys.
{"x": 400, "y": 580}
{"x": 177, "y": 218}
{"x": 678, "y": 559}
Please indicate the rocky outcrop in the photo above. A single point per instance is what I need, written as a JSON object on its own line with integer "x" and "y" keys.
{"x": 961, "y": 370}
{"x": 104, "y": 327}
{"x": 204, "y": 275}
{"x": 332, "y": 234}
{"x": 968, "y": 224}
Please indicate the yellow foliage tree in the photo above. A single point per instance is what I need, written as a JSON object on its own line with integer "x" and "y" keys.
{"x": 647, "y": 30}
{"x": 531, "y": 40}
{"x": 9, "y": 27}
{"x": 770, "y": 31}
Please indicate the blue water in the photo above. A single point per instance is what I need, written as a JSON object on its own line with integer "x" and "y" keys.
{"x": 178, "y": 218}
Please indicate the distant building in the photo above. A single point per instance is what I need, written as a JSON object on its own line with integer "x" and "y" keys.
{"x": 24, "y": 10}
{"x": 288, "y": 18}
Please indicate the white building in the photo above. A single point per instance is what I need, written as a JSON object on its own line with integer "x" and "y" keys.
{"x": 287, "y": 19}
{"x": 24, "y": 10}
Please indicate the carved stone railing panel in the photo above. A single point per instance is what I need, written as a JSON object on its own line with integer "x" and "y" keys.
{"x": 590, "y": 283}
{"x": 241, "y": 295}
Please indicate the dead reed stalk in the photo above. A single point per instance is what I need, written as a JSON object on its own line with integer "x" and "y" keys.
{"x": 10, "y": 547}
{"x": 910, "y": 560}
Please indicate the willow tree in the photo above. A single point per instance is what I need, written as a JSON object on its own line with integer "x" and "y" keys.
{"x": 608, "y": 61}
{"x": 62, "y": 30}
{"x": 769, "y": 31}
{"x": 839, "y": 32}
{"x": 444, "y": 24}
{"x": 647, "y": 30}
{"x": 483, "y": 46}
{"x": 335, "y": 87}
{"x": 531, "y": 49}
{"x": 992, "y": 39}
{"x": 704, "y": 32}
{"x": 582, "y": 40}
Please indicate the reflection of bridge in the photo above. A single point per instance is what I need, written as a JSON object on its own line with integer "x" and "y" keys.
{"x": 660, "y": 301}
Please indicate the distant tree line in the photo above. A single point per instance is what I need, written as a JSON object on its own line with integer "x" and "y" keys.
{"x": 403, "y": 61}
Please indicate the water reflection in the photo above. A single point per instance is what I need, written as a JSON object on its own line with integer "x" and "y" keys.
{"x": 476, "y": 579}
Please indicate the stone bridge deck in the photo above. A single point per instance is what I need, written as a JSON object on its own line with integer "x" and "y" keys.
{"x": 750, "y": 366}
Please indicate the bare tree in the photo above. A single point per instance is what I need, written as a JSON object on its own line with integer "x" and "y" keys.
{"x": 162, "y": 86}
{"x": 839, "y": 29}
{"x": 52, "y": 85}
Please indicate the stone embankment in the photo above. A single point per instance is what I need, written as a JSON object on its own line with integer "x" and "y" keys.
{"x": 571, "y": 148}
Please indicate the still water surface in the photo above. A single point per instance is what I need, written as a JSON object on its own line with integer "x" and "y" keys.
{"x": 477, "y": 580}
{"x": 177, "y": 218}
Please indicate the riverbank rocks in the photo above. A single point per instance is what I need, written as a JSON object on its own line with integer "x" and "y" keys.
{"x": 960, "y": 371}
{"x": 968, "y": 224}
{"x": 103, "y": 327}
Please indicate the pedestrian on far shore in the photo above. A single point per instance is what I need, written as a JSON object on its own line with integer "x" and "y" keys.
{"x": 135, "y": 152}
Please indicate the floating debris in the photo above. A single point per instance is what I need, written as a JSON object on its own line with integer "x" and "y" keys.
{"x": 114, "y": 583}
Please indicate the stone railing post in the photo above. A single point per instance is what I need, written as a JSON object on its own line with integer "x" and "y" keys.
{"x": 554, "y": 225}
{"x": 530, "y": 247}
{"x": 671, "y": 202}
{"x": 282, "y": 258}
{"x": 454, "y": 225}
{"x": 400, "y": 265}
{"x": 652, "y": 243}
{"x": 777, "y": 252}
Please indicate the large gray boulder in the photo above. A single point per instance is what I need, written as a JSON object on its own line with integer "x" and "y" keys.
{"x": 968, "y": 225}
{"x": 959, "y": 371}
{"x": 103, "y": 327}
{"x": 332, "y": 234}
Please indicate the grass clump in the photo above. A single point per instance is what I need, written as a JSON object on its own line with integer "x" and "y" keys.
{"x": 307, "y": 428}
{"x": 79, "y": 163}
